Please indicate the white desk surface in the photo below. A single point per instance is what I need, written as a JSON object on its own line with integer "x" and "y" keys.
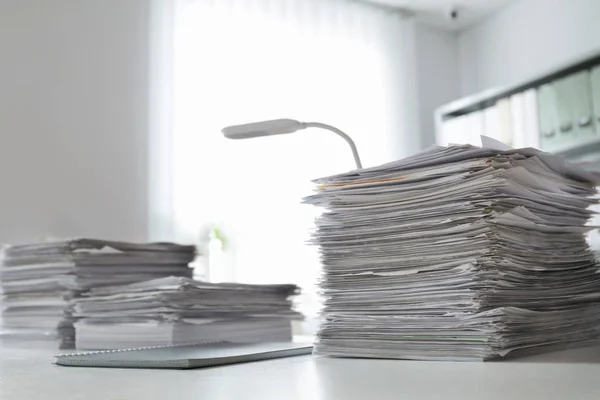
{"x": 26, "y": 373}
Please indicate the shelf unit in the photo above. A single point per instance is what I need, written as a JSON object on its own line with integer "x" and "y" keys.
{"x": 490, "y": 97}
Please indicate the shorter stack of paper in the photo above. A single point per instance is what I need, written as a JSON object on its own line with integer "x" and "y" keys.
{"x": 171, "y": 311}
{"x": 458, "y": 253}
{"x": 39, "y": 281}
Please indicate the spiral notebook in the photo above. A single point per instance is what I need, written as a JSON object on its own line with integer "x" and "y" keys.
{"x": 184, "y": 357}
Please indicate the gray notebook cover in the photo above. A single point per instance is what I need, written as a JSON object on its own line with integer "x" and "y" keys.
{"x": 183, "y": 357}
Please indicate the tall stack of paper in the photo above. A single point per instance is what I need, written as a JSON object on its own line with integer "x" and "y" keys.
{"x": 172, "y": 311}
{"x": 457, "y": 253}
{"x": 39, "y": 281}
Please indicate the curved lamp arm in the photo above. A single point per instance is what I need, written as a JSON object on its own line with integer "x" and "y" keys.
{"x": 284, "y": 126}
{"x": 338, "y": 132}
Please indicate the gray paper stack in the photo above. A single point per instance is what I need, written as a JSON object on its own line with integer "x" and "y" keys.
{"x": 457, "y": 253}
{"x": 40, "y": 281}
{"x": 173, "y": 311}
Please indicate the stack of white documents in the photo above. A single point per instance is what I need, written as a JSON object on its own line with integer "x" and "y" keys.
{"x": 457, "y": 253}
{"x": 39, "y": 281}
{"x": 172, "y": 311}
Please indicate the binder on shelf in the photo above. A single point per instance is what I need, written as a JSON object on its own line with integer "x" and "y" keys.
{"x": 548, "y": 117}
{"x": 582, "y": 103}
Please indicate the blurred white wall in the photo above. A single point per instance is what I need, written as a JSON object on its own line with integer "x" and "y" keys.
{"x": 526, "y": 39}
{"x": 73, "y": 118}
{"x": 437, "y": 75}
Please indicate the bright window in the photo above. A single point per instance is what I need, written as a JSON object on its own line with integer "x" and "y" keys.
{"x": 339, "y": 62}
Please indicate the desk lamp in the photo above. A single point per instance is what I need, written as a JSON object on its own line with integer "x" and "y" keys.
{"x": 283, "y": 126}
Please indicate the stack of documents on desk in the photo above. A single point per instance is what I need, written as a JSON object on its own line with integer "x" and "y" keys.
{"x": 172, "y": 311}
{"x": 40, "y": 281}
{"x": 457, "y": 253}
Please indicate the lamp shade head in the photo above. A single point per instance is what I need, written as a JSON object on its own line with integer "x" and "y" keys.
{"x": 263, "y": 128}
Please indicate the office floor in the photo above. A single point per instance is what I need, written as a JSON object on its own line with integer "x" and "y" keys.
{"x": 26, "y": 373}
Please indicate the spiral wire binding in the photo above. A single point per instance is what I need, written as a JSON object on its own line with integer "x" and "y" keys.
{"x": 91, "y": 353}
